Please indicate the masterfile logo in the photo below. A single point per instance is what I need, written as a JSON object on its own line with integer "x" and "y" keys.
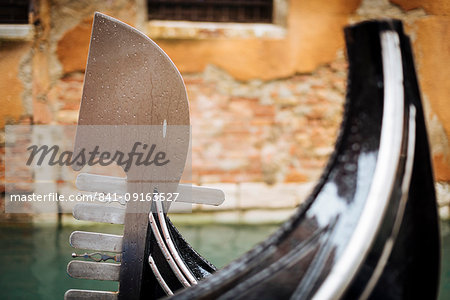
{"x": 117, "y": 164}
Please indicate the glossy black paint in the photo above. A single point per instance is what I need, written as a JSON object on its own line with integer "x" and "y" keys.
{"x": 412, "y": 271}
{"x": 199, "y": 267}
{"x": 299, "y": 259}
{"x": 296, "y": 260}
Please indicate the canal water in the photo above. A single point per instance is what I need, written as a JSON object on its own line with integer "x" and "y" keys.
{"x": 34, "y": 257}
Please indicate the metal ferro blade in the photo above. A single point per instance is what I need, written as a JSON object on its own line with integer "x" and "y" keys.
{"x": 130, "y": 81}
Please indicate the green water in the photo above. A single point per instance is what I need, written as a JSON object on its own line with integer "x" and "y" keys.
{"x": 34, "y": 257}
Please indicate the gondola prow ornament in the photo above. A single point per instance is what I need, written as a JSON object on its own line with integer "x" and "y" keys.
{"x": 369, "y": 230}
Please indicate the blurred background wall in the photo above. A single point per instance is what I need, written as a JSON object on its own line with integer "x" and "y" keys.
{"x": 266, "y": 90}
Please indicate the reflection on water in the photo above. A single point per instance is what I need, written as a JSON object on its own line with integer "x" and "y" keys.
{"x": 444, "y": 292}
{"x": 34, "y": 257}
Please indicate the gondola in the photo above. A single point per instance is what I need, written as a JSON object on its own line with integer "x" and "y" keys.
{"x": 369, "y": 229}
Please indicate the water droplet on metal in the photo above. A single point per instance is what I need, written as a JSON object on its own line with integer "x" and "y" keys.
{"x": 164, "y": 128}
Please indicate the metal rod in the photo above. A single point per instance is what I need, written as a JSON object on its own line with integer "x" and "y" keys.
{"x": 168, "y": 239}
{"x": 166, "y": 252}
{"x": 159, "y": 277}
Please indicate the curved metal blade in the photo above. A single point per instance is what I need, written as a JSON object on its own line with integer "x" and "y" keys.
{"x": 129, "y": 83}
{"x": 129, "y": 80}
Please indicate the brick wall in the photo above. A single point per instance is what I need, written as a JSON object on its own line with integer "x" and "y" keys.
{"x": 264, "y": 111}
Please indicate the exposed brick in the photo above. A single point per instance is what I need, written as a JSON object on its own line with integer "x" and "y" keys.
{"x": 42, "y": 113}
{"x": 296, "y": 176}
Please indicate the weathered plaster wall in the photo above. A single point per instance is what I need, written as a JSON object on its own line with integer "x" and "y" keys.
{"x": 433, "y": 49}
{"x": 263, "y": 109}
{"x": 72, "y": 22}
{"x": 428, "y": 24}
{"x": 14, "y": 93}
{"x": 314, "y": 37}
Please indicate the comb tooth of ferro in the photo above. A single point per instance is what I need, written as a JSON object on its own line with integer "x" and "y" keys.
{"x": 96, "y": 241}
{"x": 117, "y": 187}
{"x": 116, "y": 215}
{"x": 99, "y": 213}
{"x": 74, "y": 294}
{"x": 93, "y": 270}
